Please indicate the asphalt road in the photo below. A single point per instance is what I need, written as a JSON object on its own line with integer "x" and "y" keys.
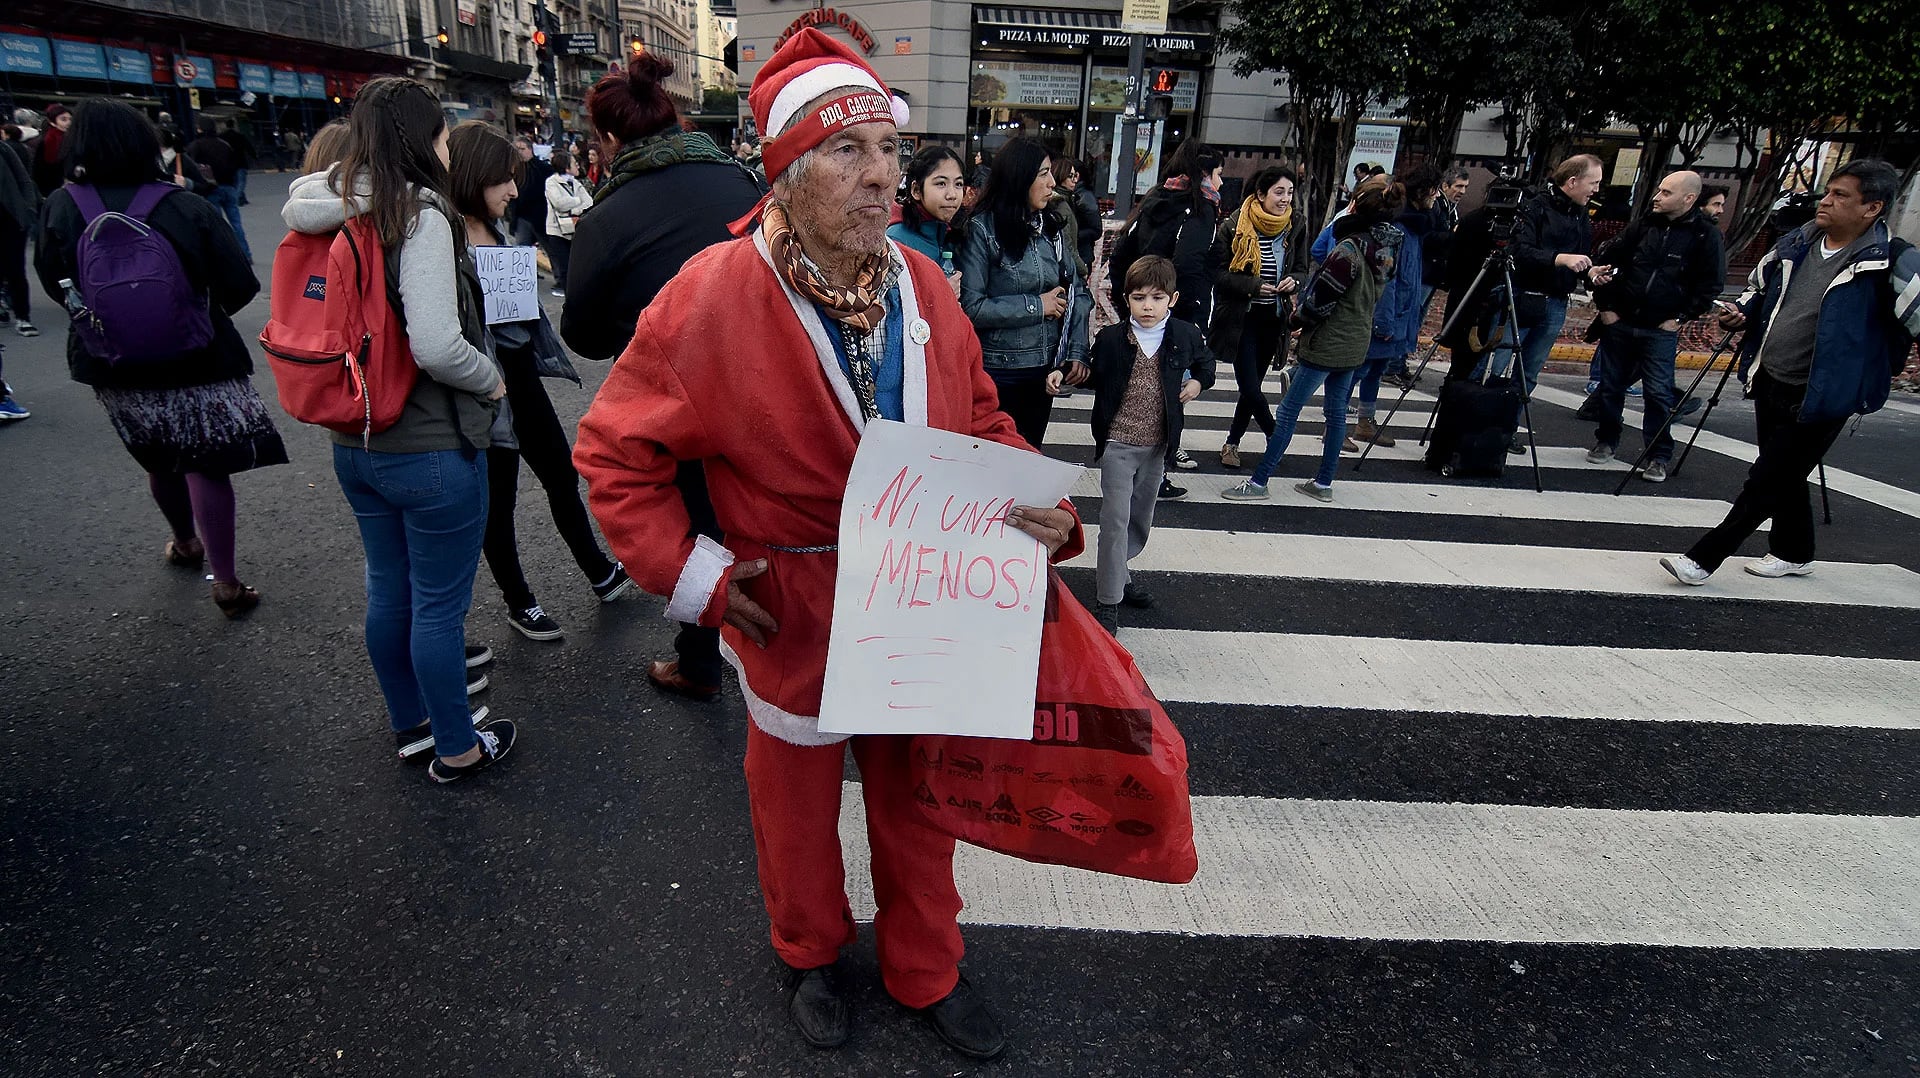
{"x": 210, "y": 863}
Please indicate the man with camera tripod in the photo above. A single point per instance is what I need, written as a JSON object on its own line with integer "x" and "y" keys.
{"x": 1830, "y": 315}
{"x": 1668, "y": 267}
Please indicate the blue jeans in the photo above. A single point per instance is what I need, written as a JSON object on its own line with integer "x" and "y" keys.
{"x": 227, "y": 200}
{"x": 1369, "y": 378}
{"x": 240, "y": 182}
{"x": 1306, "y": 379}
{"x": 1536, "y": 343}
{"x": 1645, "y": 355}
{"x": 422, "y": 519}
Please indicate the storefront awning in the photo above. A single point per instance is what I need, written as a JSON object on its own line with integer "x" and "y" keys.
{"x": 1060, "y": 28}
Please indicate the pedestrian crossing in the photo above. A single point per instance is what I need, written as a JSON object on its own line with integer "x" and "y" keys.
{"x": 1517, "y": 623}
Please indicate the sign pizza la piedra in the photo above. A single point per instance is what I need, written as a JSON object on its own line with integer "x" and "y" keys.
{"x": 826, "y": 16}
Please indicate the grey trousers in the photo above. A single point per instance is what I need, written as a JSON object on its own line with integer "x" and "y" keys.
{"x": 1129, "y": 491}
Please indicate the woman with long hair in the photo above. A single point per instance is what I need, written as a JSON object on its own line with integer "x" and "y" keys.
{"x": 930, "y": 198}
{"x": 595, "y": 170}
{"x": 192, "y": 419}
{"x": 481, "y": 186}
{"x": 626, "y": 249}
{"x": 326, "y": 147}
{"x": 419, "y": 488}
{"x": 1253, "y": 298}
{"x": 1020, "y": 287}
{"x": 1336, "y": 307}
{"x": 1397, "y": 317}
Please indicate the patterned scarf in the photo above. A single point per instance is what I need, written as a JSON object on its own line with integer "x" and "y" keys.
{"x": 655, "y": 152}
{"x": 860, "y": 308}
{"x": 1256, "y": 224}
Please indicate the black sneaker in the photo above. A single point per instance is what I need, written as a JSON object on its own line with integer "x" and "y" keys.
{"x": 478, "y": 685}
{"x": 1138, "y": 597}
{"x": 1169, "y": 492}
{"x": 1108, "y": 615}
{"x": 1689, "y": 406}
{"x": 478, "y": 655}
{"x": 25, "y": 328}
{"x": 534, "y": 624}
{"x": 615, "y": 585}
{"x": 417, "y": 744}
{"x": 496, "y": 740}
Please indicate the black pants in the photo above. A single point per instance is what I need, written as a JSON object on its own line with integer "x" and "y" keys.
{"x": 697, "y": 647}
{"x": 1024, "y": 397}
{"x": 13, "y": 268}
{"x": 560, "y": 253}
{"x": 1776, "y": 486}
{"x": 1260, "y": 339}
{"x": 543, "y": 444}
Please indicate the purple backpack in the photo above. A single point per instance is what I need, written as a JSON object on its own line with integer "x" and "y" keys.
{"x": 137, "y": 303}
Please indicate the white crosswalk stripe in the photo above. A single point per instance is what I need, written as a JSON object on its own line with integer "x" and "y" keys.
{"x": 1557, "y": 870}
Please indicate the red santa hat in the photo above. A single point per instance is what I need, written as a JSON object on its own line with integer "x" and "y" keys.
{"x": 809, "y": 66}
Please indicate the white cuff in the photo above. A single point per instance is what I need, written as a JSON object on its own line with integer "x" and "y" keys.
{"x": 694, "y": 590}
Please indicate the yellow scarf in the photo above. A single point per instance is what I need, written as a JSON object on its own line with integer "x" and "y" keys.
{"x": 1256, "y": 224}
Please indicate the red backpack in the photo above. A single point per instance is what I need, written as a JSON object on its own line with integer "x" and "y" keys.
{"x": 336, "y": 344}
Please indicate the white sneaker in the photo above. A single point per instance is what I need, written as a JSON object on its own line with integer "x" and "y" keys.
{"x": 1771, "y": 566}
{"x": 1685, "y": 570}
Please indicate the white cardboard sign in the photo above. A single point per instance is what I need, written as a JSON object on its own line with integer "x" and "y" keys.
{"x": 510, "y": 280}
{"x": 938, "y": 603}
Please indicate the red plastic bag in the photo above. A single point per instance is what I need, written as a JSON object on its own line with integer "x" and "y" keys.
{"x": 1103, "y": 783}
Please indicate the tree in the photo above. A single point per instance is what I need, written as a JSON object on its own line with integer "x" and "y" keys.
{"x": 1334, "y": 67}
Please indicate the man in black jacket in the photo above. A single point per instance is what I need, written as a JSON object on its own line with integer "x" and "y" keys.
{"x": 530, "y": 205}
{"x": 1668, "y": 267}
{"x": 1551, "y": 242}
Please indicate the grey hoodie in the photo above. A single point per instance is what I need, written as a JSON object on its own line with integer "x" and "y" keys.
{"x": 448, "y": 408}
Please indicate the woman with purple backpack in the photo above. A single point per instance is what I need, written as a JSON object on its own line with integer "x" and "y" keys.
{"x": 165, "y": 362}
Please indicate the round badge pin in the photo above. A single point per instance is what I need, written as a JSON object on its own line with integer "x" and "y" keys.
{"x": 920, "y": 331}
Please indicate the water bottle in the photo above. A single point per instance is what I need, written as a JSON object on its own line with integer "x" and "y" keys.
{"x": 76, "y": 307}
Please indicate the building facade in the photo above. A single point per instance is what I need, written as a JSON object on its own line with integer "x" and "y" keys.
{"x": 976, "y": 75}
{"x": 266, "y": 66}
{"x": 672, "y": 29}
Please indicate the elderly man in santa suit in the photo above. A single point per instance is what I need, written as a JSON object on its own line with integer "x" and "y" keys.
{"x": 765, "y": 359}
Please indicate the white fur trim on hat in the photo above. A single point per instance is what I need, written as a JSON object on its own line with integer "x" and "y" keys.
{"x": 811, "y": 83}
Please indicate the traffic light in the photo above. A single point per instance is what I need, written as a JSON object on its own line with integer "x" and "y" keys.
{"x": 638, "y": 46}
{"x": 1160, "y": 103}
{"x": 540, "y": 45}
{"x": 442, "y": 36}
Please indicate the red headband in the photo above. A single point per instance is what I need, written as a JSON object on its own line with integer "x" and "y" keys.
{"x": 809, "y": 131}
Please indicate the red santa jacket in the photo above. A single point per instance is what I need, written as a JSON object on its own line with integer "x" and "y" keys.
{"x": 730, "y": 367}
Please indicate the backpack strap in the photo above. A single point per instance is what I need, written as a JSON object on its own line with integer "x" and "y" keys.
{"x": 87, "y": 200}
{"x": 147, "y": 198}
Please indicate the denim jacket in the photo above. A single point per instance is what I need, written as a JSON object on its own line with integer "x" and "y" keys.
{"x": 1002, "y": 298}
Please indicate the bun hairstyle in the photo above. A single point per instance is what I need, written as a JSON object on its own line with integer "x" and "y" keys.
{"x": 1378, "y": 200}
{"x": 634, "y": 104}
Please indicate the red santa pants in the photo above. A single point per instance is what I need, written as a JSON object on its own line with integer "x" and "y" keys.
{"x": 795, "y": 794}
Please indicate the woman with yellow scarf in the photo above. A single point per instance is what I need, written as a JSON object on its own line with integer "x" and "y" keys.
{"x": 1253, "y": 308}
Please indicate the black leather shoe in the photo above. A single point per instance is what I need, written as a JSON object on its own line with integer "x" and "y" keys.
{"x": 817, "y": 1008}
{"x": 964, "y": 1022}
{"x": 1138, "y": 597}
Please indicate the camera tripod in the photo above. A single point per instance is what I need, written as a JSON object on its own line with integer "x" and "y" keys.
{"x": 1726, "y": 341}
{"x": 1499, "y": 260}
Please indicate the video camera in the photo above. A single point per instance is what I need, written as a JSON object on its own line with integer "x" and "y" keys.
{"x": 1504, "y": 196}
